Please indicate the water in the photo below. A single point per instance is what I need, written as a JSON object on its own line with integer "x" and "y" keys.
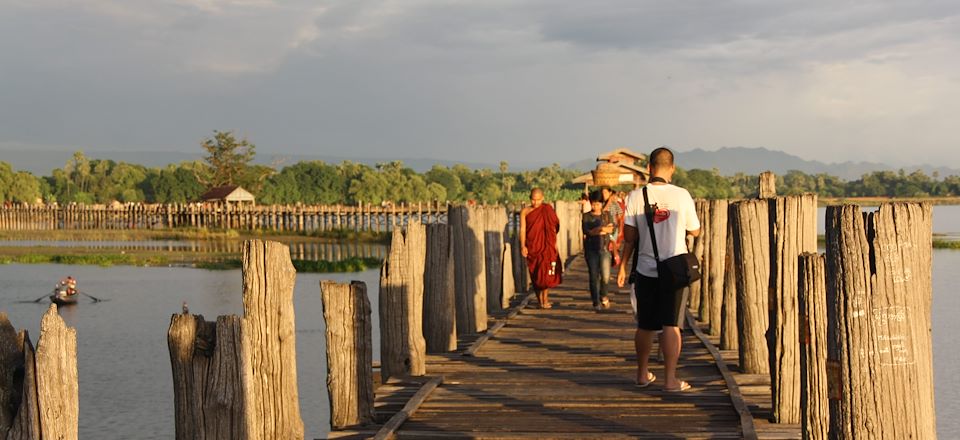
{"x": 946, "y": 357}
{"x": 126, "y": 387}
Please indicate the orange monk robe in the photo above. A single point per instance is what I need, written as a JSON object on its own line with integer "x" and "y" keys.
{"x": 543, "y": 260}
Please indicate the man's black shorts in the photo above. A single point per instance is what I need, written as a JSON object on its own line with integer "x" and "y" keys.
{"x": 655, "y": 308}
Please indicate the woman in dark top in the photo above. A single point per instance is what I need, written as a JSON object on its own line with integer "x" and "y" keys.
{"x": 597, "y": 227}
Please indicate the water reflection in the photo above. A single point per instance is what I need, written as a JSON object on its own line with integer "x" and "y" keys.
{"x": 299, "y": 250}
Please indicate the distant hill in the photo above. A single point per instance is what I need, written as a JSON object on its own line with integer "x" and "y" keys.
{"x": 731, "y": 160}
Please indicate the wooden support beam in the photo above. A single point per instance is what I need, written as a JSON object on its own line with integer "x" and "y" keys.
{"x": 346, "y": 311}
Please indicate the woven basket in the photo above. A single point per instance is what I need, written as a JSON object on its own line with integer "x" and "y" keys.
{"x": 606, "y": 174}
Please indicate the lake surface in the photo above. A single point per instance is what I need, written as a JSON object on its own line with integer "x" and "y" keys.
{"x": 126, "y": 389}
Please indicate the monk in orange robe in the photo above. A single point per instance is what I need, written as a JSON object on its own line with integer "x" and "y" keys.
{"x": 538, "y": 244}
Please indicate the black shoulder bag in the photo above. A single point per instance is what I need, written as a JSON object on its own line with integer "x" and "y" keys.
{"x": 675, "y": 272}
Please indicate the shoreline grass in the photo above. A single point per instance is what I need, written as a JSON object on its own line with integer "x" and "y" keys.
{"x": 352, "y": 264}
{"x": 337, "y": 235}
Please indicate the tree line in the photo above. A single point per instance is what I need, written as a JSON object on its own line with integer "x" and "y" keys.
{"x": 229, "y": 161}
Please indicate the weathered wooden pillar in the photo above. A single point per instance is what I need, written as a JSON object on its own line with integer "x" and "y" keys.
{"x": 751, "y": 245}
{"x": 520, "y": 271}
{"x": 206, "y": 360}
{"x": 793, "y": 231}
{"x": 563, "y": 242}
{"x": 812, "y": 308}
{"x": 879, "y": 295}
{"x": 495, "y": 222}
{"x": 269, "y": 340}
{"x": 402, "y": 347}
{"x": 714, "y": 262}
{"x": 13, "y": 360}
{"x": 58, "y": 393}
{"x": 439, "y": 296}
{"x": 508, "y": 285}
{"x": 767, "y": 185}
{"x": 240, "y": 373}
{"x": 346, "y": 312}
{"x": 466, "y": 232}
{"x": 698, "y": 249}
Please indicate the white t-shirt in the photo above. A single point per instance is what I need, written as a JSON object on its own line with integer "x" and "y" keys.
{"x": 676, "y": 214}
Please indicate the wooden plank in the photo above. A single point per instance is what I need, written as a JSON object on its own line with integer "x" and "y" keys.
{"x": 746, "y": 418}
{"x": 388, "y": 430}
{"x": 496, "y": 327}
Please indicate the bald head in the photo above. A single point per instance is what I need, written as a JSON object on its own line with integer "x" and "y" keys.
{"x": 661, "y": 158}
{"x": 536, "y": 197}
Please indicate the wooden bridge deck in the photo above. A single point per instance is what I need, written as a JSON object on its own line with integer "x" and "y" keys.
{"x": 568, "y": 372}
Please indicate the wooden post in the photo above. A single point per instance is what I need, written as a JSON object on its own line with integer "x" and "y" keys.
{"x": 18, "y": 361}
{"x": 237, "y": 378}
{"x": 879, "y": 296}
{"x": 402, "y": 348}
{"x": 269, "y": 341}
{"x": 767, "y": 185}
{"x": 439, "y": 297}
{"x": 520, "y": 272}
{"x": 508, "y": 286}
{"x": 563, "y": 244}
{"x": 729, "y": 332}
{"x": 715, "y": 259}
{"x": 751, "y": 245}
{"x": 346, "y": 312}
{"x": 206, "y": 361}
{"x": 812, "y": 308}
{"x": 495, "y": 222}
{"x": 58, "y": 395}
{"x": 466, "y": 232}
{"x": 793, "y": 231}
{"x": 698, "y": 248}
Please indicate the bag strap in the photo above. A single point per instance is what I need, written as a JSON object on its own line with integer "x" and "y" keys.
{"x": 649, "y": 213}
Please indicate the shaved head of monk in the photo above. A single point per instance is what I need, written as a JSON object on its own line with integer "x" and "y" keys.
{"x": 536, "y": 197}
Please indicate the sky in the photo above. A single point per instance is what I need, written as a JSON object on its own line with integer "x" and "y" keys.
{"x": 536, "y": 81}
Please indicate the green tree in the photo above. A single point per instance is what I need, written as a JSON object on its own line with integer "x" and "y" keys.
{"x": 226, "y": 159}
{"x": 445, "y": 177}
{"x": 174, "y": 184}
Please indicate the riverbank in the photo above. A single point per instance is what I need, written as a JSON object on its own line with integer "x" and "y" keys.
{"x": 338, "y": 235}
{"x": 176, "y": 257}
{"x": 874, "y": 201}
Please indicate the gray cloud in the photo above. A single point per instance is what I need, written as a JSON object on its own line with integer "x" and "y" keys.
{"x": 536, "y": 80}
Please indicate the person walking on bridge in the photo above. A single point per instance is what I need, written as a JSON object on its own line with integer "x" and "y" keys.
{"x": 674, "y": 217}
{"x": 538, "y": 244}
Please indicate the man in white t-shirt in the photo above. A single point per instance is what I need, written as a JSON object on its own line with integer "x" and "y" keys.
{"x": 674, "y": 217}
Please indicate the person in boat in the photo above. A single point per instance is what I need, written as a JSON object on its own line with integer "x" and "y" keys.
{"x": 69, "y": 284}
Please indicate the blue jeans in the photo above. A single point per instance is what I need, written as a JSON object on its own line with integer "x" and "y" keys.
{"x": 598, "y": 263}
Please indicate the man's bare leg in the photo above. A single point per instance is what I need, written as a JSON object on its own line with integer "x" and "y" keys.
{"x": 670, "y": 343}
{"x": 643, "y": 343}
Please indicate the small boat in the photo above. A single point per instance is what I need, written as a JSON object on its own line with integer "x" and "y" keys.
{"x": 60, "y": 297}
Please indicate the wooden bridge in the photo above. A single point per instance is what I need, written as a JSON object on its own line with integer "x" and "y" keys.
{"x": 568, "y": 372}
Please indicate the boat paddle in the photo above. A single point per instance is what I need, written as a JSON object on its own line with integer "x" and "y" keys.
{"x": 95, "y": 299}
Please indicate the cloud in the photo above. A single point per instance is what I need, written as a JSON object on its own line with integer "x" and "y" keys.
{"x": 451, "y": 79}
